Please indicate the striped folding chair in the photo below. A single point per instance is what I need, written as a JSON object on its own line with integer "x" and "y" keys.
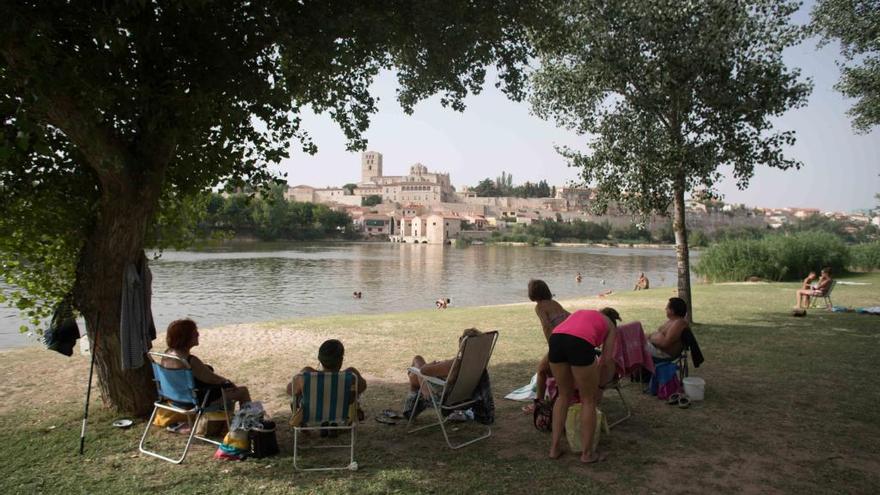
{"x": 326, "y": 406}
{"x": 177, "y": 393}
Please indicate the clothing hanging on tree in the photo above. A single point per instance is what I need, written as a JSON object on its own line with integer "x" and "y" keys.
{"x": 136, "y": 328}
{"x": 63, "y": 331}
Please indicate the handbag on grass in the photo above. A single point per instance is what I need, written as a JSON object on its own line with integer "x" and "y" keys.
{"x": 264, "y": 443}
{"x": 542, "y": 417}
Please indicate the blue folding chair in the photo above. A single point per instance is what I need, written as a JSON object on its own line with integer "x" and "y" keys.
{"x": 326, "y": 404}
{"x": 177, "y": 393}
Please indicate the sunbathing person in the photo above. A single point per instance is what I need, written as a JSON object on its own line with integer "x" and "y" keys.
{"x": 550, "y": 313}
{"x": 808, "y": 282}
{"x": 572, "y": 356}
{"x": 181, "y": 337}
{"x": 642, "y": 283}
{"x": 438, "y": 369}
{"x": 665, "y": 343}
{"x": 330, "y": 355}
{"x": 804, "y": 295}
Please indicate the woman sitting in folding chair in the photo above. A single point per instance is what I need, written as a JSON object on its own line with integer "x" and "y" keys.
{"x": 181, "y": 337}
{"x": 572, "y": 356}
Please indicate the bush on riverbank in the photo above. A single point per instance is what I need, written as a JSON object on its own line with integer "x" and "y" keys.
{"x": 270, "y": 217}
{"x": 782, "y": 257}
{"x": 865, "y": 256}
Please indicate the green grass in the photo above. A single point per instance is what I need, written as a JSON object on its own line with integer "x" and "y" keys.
{"x": 791, "y": 407}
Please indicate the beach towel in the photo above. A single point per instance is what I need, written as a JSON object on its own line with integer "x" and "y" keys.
{"x": 630, "y": 353}
{"x": 526, "y": 392}
{"x": 665, "y": 381}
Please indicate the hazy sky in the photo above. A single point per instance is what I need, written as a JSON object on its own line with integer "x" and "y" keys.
{"x": 840, "y": 167}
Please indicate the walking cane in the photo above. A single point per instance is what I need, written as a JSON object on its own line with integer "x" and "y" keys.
{"x": 92, "y": 347}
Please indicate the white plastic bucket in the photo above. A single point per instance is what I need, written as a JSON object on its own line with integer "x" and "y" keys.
{"x": 694, "y": 387}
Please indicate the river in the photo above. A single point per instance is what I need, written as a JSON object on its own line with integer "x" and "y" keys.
{"x": 240, "y": 283}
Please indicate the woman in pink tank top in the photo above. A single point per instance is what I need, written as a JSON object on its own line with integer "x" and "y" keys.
{"x": 572, "y": 357}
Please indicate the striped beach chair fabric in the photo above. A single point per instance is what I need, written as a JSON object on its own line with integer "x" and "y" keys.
{"x": 326, "y": 405}
{"x": 327, "y": 397}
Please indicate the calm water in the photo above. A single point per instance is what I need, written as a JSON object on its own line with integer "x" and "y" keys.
{"x": 258, "y": 282}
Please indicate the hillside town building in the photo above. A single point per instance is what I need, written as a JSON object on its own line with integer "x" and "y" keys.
{"x": 423, "y": 207}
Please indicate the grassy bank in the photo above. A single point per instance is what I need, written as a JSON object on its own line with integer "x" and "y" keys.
{"x": 791, "y": 407}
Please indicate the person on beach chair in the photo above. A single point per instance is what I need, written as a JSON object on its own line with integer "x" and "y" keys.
{"x": 330, "y": 355}
{"x": 819, "y": 290}
{"x": 665, "y": 344}
{"x": 181, "y": 337}
{"x": 439, "y": 369}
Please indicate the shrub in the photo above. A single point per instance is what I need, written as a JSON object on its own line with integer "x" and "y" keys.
{"x": 866, "y": 256}
{"x": 735, "y": 260}
{"x": 631, "y": 232}
{"x": 697, "y": 238}
{"x": 787, "y": 257}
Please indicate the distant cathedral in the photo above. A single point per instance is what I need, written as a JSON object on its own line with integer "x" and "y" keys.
{"x": 419, "y": 187}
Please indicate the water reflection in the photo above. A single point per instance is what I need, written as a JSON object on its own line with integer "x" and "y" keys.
{"x": 260, "y": 282}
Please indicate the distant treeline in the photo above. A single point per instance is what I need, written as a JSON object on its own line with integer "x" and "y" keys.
{"x": 503, "y": 186}
{"x": 271, "y": 217}
{"x": 546, "y": 231}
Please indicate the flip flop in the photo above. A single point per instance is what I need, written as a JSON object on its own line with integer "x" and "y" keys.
{"x": 385, "y": 420}
{"x": 391, "y": 414}
{"x": 673, "y": 399}
{"x": 684, "y": 403}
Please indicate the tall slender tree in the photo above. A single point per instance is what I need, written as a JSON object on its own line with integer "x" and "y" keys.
{"x": 669, "y": 91}
{"x": 114, "y": 112}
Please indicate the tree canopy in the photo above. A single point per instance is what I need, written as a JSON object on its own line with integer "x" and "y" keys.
{"x": 503, "y": 186}
{"x": 115, "y": 113}
{"x": 669, "y": 91}
{"x": 856, "y": 25}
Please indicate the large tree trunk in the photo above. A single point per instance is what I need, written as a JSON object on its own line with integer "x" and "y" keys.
{"x": 117, "y": 239}
{"x": 682, "y": 253}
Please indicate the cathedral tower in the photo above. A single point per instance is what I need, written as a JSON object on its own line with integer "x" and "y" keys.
{"x": 371, "y": 165}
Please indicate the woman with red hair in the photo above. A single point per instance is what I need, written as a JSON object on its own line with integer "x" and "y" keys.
{"x": 181, "y": 337}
